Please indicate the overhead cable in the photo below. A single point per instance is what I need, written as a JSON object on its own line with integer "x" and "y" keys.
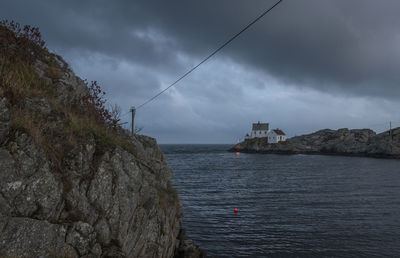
{"x": 212, "y": 54}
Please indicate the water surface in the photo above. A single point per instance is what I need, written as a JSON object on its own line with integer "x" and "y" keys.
{"x": 288, "y": 205}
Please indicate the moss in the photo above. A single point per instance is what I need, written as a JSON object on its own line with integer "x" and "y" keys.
{"x": 103, "y": 139}
{"x": 163, "y": 198}
{"x": 79, "y": 126}
{"x": 17, "y": 119}
{"x": 44, "y": 187}
{"x": 168, "y": 197}
{"x": 172, "y": 191}
{"x": 127, "y": 145}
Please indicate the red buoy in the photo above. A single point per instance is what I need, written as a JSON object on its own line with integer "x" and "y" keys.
{"x": 235, "y": 210}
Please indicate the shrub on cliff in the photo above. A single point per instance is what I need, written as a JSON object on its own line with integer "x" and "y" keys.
{"x": 20, "y": 42}
{"x": 29, "y": 71}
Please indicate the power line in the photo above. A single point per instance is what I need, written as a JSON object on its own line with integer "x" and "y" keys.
{"x": 212, "y": 54}
{"x": 126, "y": 113}
{"x": 381, "y": 124}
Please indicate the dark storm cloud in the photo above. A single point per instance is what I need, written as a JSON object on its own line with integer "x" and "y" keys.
{"x": 349, "y": 46}
{"x": 339, "y": 46}
{"x": 307, "y": 65}
{"x": 109, "y": 28}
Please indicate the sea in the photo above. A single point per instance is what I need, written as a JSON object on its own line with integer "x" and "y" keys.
{"x": 287, "y": 205}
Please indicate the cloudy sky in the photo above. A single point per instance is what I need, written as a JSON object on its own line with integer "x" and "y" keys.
{"x": 307, "y": 65}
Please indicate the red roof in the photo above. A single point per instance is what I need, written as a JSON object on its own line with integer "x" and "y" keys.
{"x": 279, "y": 132}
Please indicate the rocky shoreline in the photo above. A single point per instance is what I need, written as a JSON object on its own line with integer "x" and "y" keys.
{"x": 72, "y": 182}
{"x": 344, "y": 142}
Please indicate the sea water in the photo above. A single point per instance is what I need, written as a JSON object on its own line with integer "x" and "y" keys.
{"x": 288, "y": 205}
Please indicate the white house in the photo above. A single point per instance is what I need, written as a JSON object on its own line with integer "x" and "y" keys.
{"x": 276, "y": 135}
{"x": 259, "y": 130}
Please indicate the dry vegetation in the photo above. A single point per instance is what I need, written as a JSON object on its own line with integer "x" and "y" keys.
{"x": 168, "y": 198}
{"x": 20, "y": 48}
{"x": 58, "y": 127}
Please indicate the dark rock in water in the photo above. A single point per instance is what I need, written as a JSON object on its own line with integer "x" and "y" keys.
{"x": 70, "y": 190}
{"x": 356, "y": 142}
{"x": 187, "y": 248}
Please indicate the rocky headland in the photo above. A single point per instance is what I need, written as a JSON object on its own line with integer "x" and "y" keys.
{"x": 72, "y": 182}
{"x": 355, "y": 142}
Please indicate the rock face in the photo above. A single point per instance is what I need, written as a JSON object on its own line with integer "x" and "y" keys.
{"x": 85, "y": 201}
{"x": 4, "y": 120}
{"x": 357, "y": 142}
{"x": 112, "y": 208}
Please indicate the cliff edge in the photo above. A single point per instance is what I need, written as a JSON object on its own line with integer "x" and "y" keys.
{"x": 72, "y": 182}
{"x": 355, "y": 142}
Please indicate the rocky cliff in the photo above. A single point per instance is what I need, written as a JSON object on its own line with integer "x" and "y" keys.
{"x": 73, "y": 184}
{"x": 357, "y": 142}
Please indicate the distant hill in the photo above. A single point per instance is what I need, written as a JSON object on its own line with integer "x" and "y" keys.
{"x": 355, "y": 142}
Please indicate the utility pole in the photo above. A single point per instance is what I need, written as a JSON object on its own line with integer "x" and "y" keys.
{"x": 391, "y": 136}
{"x": 133, "y": 110}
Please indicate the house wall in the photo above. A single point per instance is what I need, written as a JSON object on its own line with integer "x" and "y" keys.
{"x": 274, "y": 138}
{"x": 259, "y": 133}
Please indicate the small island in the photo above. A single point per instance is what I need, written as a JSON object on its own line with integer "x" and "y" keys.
{"x": 345, "y": 142}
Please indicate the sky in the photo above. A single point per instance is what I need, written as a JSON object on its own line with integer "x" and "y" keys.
{"x": 307, "y": 65}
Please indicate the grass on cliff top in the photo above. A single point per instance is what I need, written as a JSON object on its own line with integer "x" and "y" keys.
{"x": 62, "y": 126}
{"x": 19, "y": 81}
